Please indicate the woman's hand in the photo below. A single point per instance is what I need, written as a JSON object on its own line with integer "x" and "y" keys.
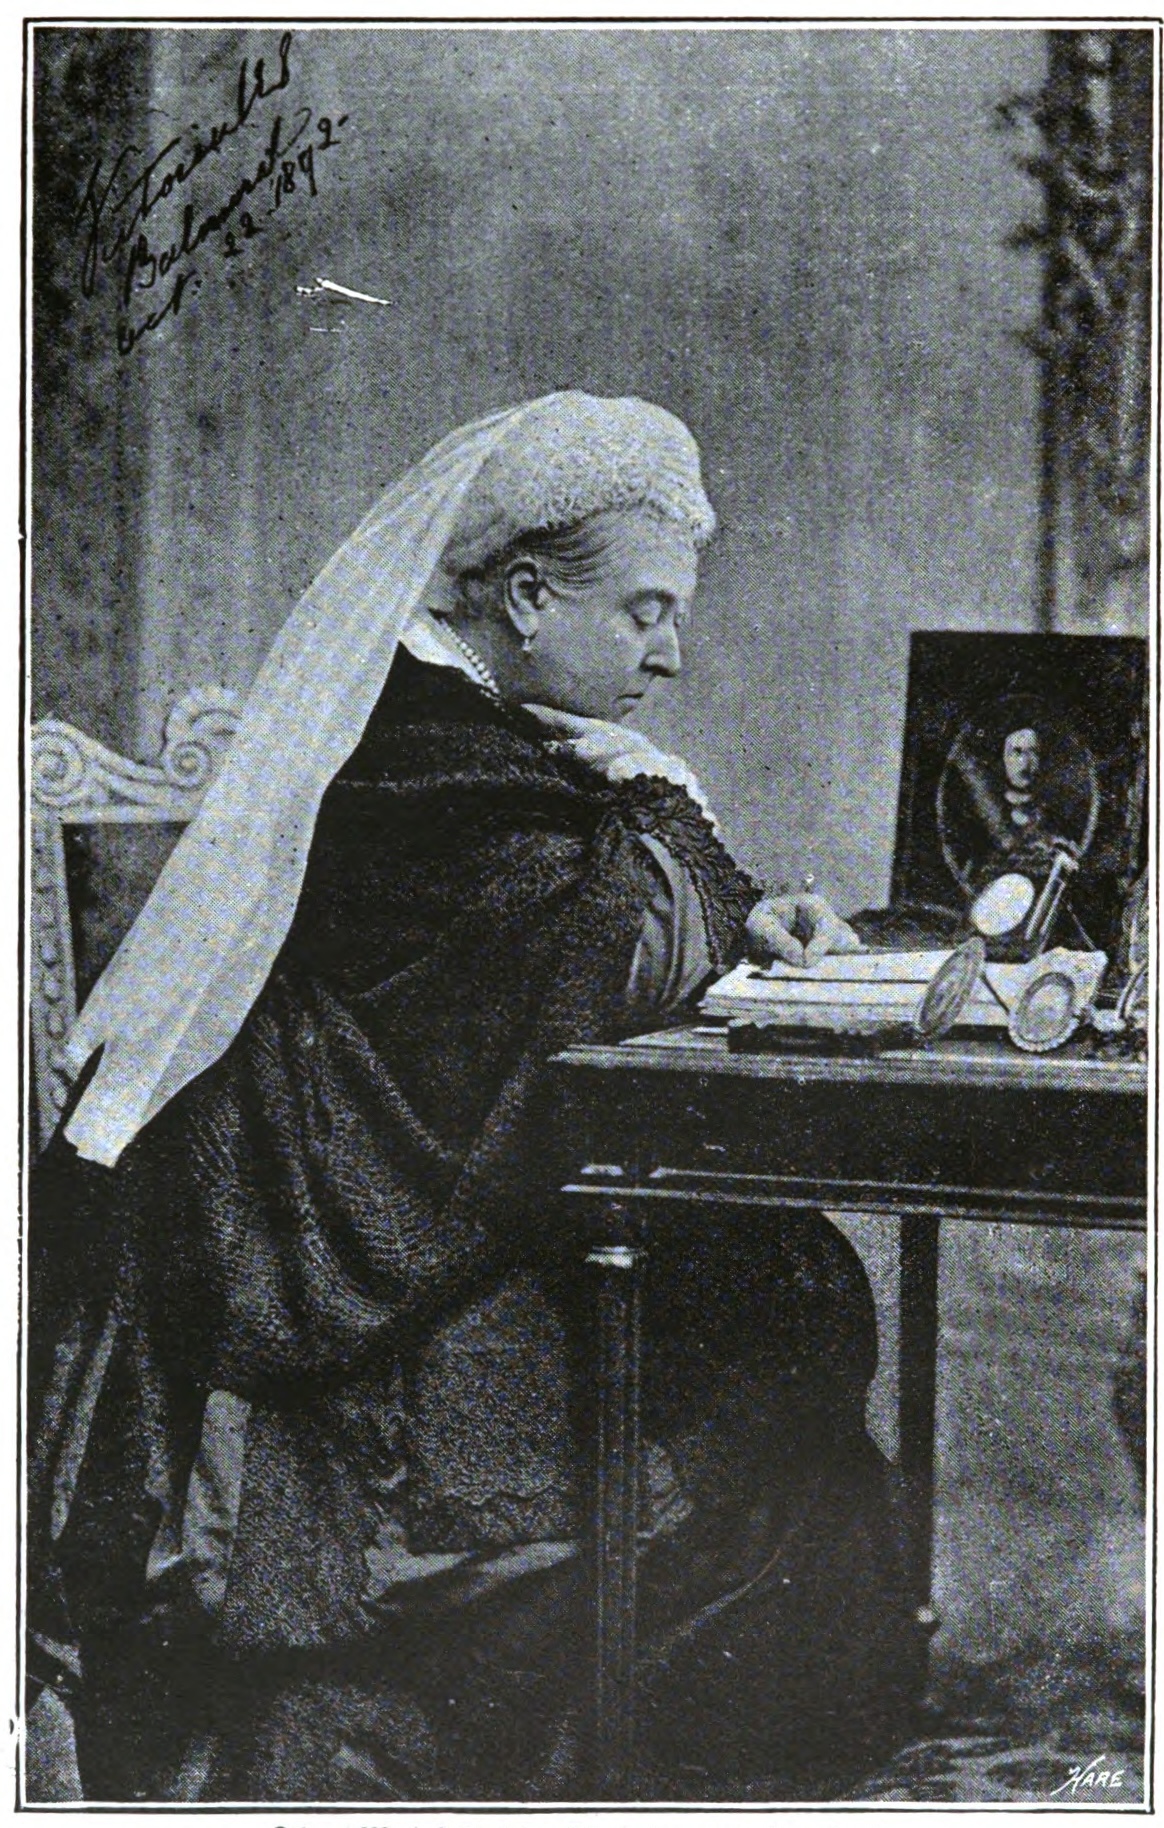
{"x": 616, "y": 753}
{"x": 799, "y": 929}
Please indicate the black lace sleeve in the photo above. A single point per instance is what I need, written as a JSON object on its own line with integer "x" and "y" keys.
{"x": 727, "y": 894}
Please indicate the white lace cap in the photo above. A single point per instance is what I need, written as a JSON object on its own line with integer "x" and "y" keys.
{"x": 186, "y": 975}
{"x": 577, "y": 456}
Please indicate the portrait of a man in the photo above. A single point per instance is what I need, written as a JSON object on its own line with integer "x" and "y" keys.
{"x": 1019, "y": 753}
{"x": 1019, "y": 788}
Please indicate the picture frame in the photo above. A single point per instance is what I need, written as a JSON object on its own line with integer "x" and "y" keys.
{"x": 1020, "y": 750}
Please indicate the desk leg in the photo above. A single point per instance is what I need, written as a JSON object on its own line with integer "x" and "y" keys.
{"x": 917, "y": 1391}
{"x": 617, "y": 1520}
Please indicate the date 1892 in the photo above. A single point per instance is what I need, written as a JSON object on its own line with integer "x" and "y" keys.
{"x": 132, "y": 230}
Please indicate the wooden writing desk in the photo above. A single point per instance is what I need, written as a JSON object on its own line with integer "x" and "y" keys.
{"x": 958, "y": 1131}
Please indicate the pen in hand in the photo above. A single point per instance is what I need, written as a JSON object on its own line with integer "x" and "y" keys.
{"x": 799, "y": 929}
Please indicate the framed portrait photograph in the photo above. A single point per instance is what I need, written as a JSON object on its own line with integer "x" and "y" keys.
{"x": 1024, "y": 763}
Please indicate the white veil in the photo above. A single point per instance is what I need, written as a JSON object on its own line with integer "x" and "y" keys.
{"x": 180, "y": 986}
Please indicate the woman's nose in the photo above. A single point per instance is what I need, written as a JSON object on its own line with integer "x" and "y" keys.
{"x": 664, "y": 654}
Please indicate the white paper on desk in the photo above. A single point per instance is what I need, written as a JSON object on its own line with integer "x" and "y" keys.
{"x": 887, "y": 985}
{"x": 837, "y": 992}
{"x": 853, "y": 968}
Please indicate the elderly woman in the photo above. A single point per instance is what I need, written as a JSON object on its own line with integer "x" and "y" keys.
{"x": 309, "y": 1481}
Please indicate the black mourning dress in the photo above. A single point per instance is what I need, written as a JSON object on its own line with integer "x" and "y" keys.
{"x": 309, "y": 1372}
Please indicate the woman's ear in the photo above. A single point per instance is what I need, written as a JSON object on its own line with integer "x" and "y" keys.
{"x": 521, "y": 592}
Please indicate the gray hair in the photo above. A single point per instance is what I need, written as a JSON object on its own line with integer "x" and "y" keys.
{"x": 569, "y": 557}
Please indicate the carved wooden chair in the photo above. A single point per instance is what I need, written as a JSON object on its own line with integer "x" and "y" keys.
{"x": 76, "y": 781}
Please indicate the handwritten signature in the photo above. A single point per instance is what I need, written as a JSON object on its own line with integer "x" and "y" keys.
{"x": 1093, "y": 1776}
{"x": 118, "y": 207}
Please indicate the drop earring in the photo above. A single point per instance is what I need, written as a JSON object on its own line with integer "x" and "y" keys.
{"x": 526, "y": 644}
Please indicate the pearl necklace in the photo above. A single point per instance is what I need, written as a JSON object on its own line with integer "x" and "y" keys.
{"x": 481, "y": 673}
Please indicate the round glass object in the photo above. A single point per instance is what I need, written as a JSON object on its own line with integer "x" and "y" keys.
{"x": 950, "y": 989}
{"x": 1003, "y": 905}
{"x": 1046, "y": 1014}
